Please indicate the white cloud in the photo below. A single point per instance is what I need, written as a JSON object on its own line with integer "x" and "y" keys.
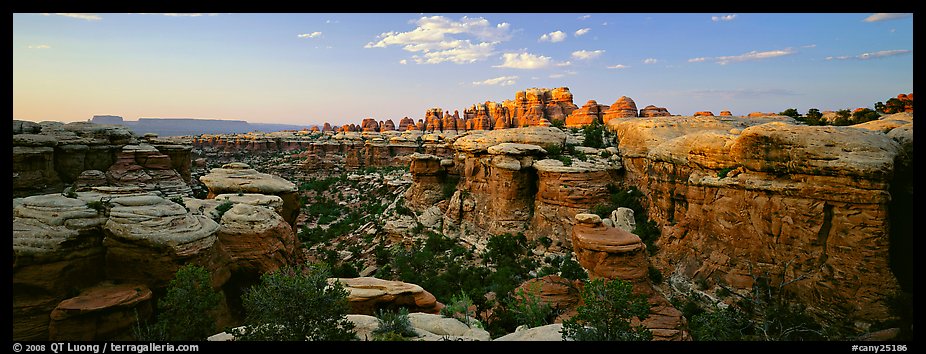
{"x": 725, "y": 18}
{"x": 650, "y": 61}
{"x": 524, "y": 61}
{"x": 435, "y": 39}
{"x": 587, "y": 54}
{"x": 175, "y": 14}
{"x": 584, "y": 17}
{"x": 310, "y": 35}
{"x": 754, "y": 55}
{"x": 553, "y": 37}
{"x": 697, "y": 60}
{"x": 403, "y": 61}
{"x": 500, "y": 81}
{"x": 886, "y": 16}
{"x": 618, "y": 66}
{"x": 38, "y": 46}
{"x": 557, "y": 76}
{"x": 582, "y": 31}
{"x": 332, "y": 21}
{"x": 565, "y": 63}
{"x": 604, "y": 23}
{"x": 809, "y": 46}
{"x": 872, "y": 55}
{"x": 88, "y": 17}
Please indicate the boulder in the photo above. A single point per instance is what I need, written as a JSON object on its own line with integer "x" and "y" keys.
{"x": 103, "y": 312}
{"x": 369, "y": 295}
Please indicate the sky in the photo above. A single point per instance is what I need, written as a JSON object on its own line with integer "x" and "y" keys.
{"x": 311, "y": 68}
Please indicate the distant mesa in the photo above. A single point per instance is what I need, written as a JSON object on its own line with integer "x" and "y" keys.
{"x": 190, "y": 126}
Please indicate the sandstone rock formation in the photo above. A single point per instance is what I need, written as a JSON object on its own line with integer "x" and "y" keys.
{"x": 144, "y": 166}
{"x": 653, "y": 111}
{"x": 725, "y": 114}
{"x": 239, "y": 177}
{"x": 703, "y": 114}
{"x": 612, "y": 253}
{"x": 589, "y": 113}
{"x": 103, "y": 311}
{"x": 624, "y": 107}
{"x": 807, "y": 203}
{"x": 369, "y": 295}
{"x": 255, "y": 240}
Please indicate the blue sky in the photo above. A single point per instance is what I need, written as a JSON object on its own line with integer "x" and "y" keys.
{"x": 311, "y": 68}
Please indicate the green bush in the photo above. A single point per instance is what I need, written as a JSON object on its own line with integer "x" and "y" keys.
{"x": 594, "y": 135}
{"x": 724, "y": 171}
{"x": 529, "y": 310}
{"x": 726, "y": 324}
{"x": 393, "y": 325}
{"x": 273, "y": 312}
{"x": 459, "y": 307}
{"x": 655, "y": 275}
{"x": 186, "y": 311}
{"x": 222, "y": 208}
{"x": 609, "y": 307}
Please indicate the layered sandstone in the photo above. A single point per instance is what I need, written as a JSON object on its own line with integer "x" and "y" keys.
{"x": 624, "y": 107}
{"x": 739, "y": 198}
{"x": 589, "y": 113}
{"x": 105, "y": 311}
{"x": 238, "y": 177}
{"x": 255, "y": 240}
{"x": 367, "y": 296}
{"x": 612, "y": 253}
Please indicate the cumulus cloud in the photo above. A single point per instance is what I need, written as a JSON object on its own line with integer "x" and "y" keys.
{"x": 650, "y": 61}
{"x": 582, "y": 31}
{"x": 584, "y": 17}
{"x": 524, "y": 61}
{"x": 553, "y": 37}
{"x": 436, "y": 39}
{"x": 38, "y": 46}
{"x": 753, "y": 55}
{"x": 886, "y": 16}
{"x": 872, "y": 55}
{"x": 310, "y": 35}
{"x": 500, "y": 81}
{"x": 88, "y": 17}
{"x": 724, "y": 18}
{"x": 587, "y": 54}
{"x": 564, "y": 63}
{"x": 618, "y": 66}
{"x": 403, "y": 61}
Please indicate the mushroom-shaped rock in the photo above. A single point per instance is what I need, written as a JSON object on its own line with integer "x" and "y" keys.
{"x": 608, "y": 252}
{"x": 367, "y": 295}
{"x": 103, "y": 312}
{"x": 256, "y": 239}
{"x": 239, "y": 177}
{"x": 148, "y": 238}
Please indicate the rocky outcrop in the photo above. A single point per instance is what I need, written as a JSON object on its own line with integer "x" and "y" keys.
{"x": 653, "y": 111}
{"x": 703, "y": 114}
{"x": 57, "y": 247}
{"x": 725, "y": 114}
{"x": 529, "y": 108}
{"x": 560, "y": 293}
{"x": 738, "y": 198}
{"x": 589, "y": 113}
{"x": 148, "y": 238}
{"x": 48, "y": 156}
{"x": 255, "y": 240}
{"x": 106, "y": 311}
{"x": 564, "y": 191}
{"x": 624, "y": 107}
{"x": 144, "y": 166}
{"x": 612, "y": 253}
{"x": 239, "y": 177}
{"x": 369, "y": 295}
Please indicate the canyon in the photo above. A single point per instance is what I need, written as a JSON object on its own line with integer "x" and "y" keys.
{"x": 103, "y": 218}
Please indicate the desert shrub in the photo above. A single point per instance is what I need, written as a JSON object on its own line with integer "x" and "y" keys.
{"x": 724, "y": 171}
{"x": 460, "y": 307}
{"x": 186, "y": 311}
{"x": 609, "y": 307}
{"x": 528, "y": 310}
{"x": 393, "y": 326}
{"x": 449, "y": 185}
{"x": 320, "y": 313}
{"x": 655, "y": 275}
{"x": 564, "y": 266}
{"x": 726, "y": 324}
{"x": 594, "y": 135}
{"x": 222, "y": 208}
